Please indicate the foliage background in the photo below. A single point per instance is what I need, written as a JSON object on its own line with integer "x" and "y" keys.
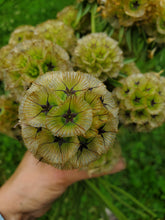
{"x": 144, "y": 176}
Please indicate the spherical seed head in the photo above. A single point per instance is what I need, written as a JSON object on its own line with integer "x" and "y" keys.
{"x": 30, "y": 59}
{"x": 8, "y": 116}
{"x": 141, "y": 100}
{"x": 57, "y": 32}
{"x": 68, "y": 119}
{"x": 96, "y": 54}
{"x": 21, "y": 33}
{"x": 67, "y": 15}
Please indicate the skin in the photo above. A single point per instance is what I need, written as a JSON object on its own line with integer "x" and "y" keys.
{"x": 31, "y": 190}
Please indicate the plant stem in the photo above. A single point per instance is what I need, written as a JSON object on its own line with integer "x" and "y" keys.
{"x": 133, "y": 199}
{"x": 115, "y": 210}
{"x": 93, "y": 14}
{"x": 123, "y": 202}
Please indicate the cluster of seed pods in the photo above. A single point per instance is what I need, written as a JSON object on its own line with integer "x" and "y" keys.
{"x": 141, "y": 101}
{"x": 149, "y": 14}
{"x": 69, "y": 119}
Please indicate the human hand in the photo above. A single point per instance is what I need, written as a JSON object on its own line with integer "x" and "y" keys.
{"x": 33, "y": 187}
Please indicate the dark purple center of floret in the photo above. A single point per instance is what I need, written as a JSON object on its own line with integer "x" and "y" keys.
{"x": 19, "y": 38}
{"x": 137, "y": 83}
{"x": 127, "y": 91}
{"x": 69, "y": 116}
{"x": 136, "y": 4}
{"x": 101, "y": 130}
{"x": 137, "y": 99}
{"x": 50, "y": 66}
{"x": 39, "y": 129}
{"x": 59, "y": 140}
{"x": 153, "y": 102}
{"x": 46, "y": 108}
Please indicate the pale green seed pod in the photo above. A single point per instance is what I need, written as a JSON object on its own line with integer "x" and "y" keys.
{"x": 30, "y": 59}
{"x": 98, "y": 55}
{"x": 9, "y": 117}
{"x": 68, "y": 119}
{"x": 129, "y": 69}
{"x": 57, "y": 32}
{"x": 142, "y": 101}
{"x": 67, "y": 15}
{"x": 4, "y": 51}
{"x": 21, "y": 33}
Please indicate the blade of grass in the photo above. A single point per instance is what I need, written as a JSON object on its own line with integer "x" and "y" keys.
{"x": 115, "y": 196}
{"x": 132, "y": 198}
{"x": 115, "y": 210}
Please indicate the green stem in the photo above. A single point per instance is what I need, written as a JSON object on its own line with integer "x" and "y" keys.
{"x": 93, "y": 14}
{"x": 133, "y": 199}
{"x": 123, "y": 202}
{"x": 115, "y": 210}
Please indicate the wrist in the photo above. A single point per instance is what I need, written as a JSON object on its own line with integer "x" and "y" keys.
{"x": 9, "y": 204}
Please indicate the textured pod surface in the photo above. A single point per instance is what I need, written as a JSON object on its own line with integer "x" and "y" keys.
{"x": 57, "y": 32}
{"x": 128, "y": 12}
{"x": 129, "y": 69}
{"x": 29, "y": 59}
{"x": 98, "y": 54}
{"x": 68, "y": 119}
{"x": 106, "y": 162}
{"x": 21, "y": 33}
{"x": 67, "y": 15}
{"x": 9, "y": 117}
{"x": 142, "y": 101}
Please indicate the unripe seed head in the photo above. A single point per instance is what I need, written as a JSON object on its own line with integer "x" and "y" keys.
{"x": 142, "y": 100}
{"x": 57, "y": 32}
{"x": 98, "y": 54}
{"x": 21, "y": 33}
{"x": 28, "y": 60}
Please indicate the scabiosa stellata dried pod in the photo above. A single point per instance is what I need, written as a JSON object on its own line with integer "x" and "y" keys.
{"x": 57, "y": 32}
{"x": 9, "y": 116}
{"x": 67, "y": 15}
{"x": 32, "y": 58}
{"x": 98, "y": 54}
{"x": 141, "y": 100}
{"x": 68, "y": 119}
{"x": 21, "y": 33}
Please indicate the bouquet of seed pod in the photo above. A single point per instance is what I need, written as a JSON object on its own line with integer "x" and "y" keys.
{"x": 71, "y": 80}
{"x": 68, "y": 117}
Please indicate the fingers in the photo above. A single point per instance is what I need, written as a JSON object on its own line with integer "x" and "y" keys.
{"x": 72, "y": 176}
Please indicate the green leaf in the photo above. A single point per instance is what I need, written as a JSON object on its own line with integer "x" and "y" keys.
{"x": 129, "y": 60}
{"x": 121, "y": 34}
{"x": 114, "y": 82}
{"x": 129, "y": 39}
{"x": 110, "y": 205}
{"x": 86, "y": 10}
